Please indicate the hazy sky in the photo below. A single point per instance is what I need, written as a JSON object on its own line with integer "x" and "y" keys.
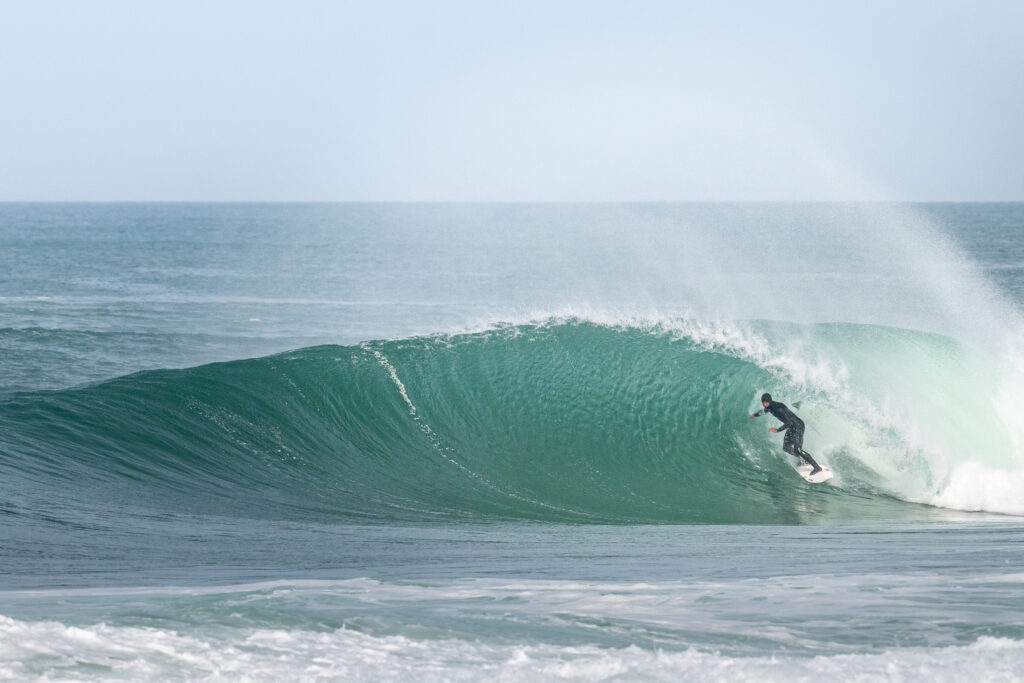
{"x": 511, "y": 100}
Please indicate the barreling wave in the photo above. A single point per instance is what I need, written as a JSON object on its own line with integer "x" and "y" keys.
{"x": 565, "y": 420}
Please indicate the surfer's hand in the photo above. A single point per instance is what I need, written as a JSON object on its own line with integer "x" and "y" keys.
{"x": 751, "y": 417}
{"x": 773, "y": 430}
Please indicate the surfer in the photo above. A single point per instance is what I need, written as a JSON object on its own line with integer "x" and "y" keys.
{"x": 794, "y": 441}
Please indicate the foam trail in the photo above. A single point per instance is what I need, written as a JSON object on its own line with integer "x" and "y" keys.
{"x": 37, "y": 649}
{"x": 664, "y": 630}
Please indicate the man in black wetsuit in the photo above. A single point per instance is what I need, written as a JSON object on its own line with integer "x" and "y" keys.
{"x": 794, "y": 441}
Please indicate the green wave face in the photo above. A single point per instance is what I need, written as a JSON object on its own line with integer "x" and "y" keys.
{"x": 564, "y": 421}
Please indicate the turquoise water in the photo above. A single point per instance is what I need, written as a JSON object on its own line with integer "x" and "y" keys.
{"x": 455, "y": 442}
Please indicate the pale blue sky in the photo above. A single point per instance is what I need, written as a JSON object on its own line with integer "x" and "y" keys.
{"x": 577, "y": 101}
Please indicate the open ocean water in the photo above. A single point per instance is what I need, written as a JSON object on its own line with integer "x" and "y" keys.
{"x": 510, "y": 442}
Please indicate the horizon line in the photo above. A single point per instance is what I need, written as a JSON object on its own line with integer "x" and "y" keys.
{"x": 511, "y": 201}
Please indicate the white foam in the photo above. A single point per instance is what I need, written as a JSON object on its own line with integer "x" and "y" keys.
{"x": 49, "y": 649}
{"x": 975, "y": 486}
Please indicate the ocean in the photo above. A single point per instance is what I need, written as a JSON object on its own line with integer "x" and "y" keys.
{"x": 445, "y": 442}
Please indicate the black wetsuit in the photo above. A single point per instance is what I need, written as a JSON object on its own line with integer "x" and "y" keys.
{"x": 794, "y": 428}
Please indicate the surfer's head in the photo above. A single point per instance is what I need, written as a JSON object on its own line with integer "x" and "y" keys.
{"x": 766, "y": 400}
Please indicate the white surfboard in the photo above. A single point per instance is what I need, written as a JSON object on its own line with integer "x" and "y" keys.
{"x": 804, "y": 471}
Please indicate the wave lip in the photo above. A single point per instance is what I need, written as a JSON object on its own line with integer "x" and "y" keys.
{"x": 565, "y": 420}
